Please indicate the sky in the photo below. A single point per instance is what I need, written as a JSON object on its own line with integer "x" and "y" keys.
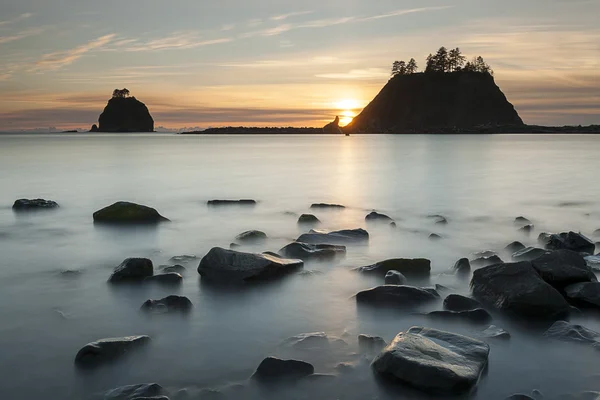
{"x": 200, "y": 63}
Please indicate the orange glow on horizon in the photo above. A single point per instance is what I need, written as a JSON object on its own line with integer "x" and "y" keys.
{"x": 347, "y": 106}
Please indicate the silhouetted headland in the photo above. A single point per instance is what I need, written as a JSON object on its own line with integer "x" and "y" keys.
{"x": 124, "y": 114}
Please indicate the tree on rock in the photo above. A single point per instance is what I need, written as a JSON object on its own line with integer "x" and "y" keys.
{"x": 121, "y": 93}
{"x": 411, "y": 66}
{"x": 456, "y": 60}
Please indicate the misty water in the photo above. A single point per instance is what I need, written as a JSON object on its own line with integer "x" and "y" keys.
{"x": 480, "y": 183}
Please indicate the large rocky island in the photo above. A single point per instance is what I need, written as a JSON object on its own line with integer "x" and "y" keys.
{"x": 124, "y": 114}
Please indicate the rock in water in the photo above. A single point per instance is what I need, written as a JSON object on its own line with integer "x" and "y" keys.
{"x": 104, "y": 350}
{"x": 327, "y": 206}
{"x": 180, "y": 269}
{"x": 395, "y": 278}
{"x": 528, "y": 254}
{"x": 435, "y": 236}
{"x": 308, "y": 219}
{"x": 428, "y": 101}
{"x": 522, "y": 221}
{"x": 411, "y": 268}
{"x": 131, "y": 392}
{"x": 168, "y": 304}
{"x": 346, "y": 236}
{"x": 567, "y": 332}
{"x": 485, "y": 261}
{"x": 306, "y": 251}
{"x": 397, "y": 296}
{"x": 493, "y": 332}
{"x": 568, "y": 241}
{"x": 125, "y": 114}
{"x": 251, "y": 237}
{"x": 275, "y": 369}
{"x": 132, "y": 270}
{"x": 242, "y": 202}
{"x": 561, "y": 268}
{"x": 305, "y": 341}
{"x": 233, "y": 266}
{"x": 34, "y": 204}
{"x": 433, "y": 361}
{"x": 456, "y": 302}
{"x": 369, "y": 344}
{"x": 586, "y": 292}
{"x": 478, "y": 315}
{"x": 375, "y": 216}
{"x": 517, "y": 288}
{"x": 514, "y": 247}
{"x": 167, "y": 278}
{"x": 333, "y": 127}
{"x": 123, "y": 212}
{"x": 462, "y": 267}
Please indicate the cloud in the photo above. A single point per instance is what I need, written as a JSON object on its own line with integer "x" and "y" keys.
{"x": 398, "y": 13}
{"x": 21, "y": 35}
{"x": 17, "y": 19}
{"x": 290, "y": 15}
{"x": 178, "y": 40}
{"x": 57, "y": 60}
{"x": 227, "y": 27}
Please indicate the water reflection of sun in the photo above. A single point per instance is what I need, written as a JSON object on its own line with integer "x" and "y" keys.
{"x": 346, "y": 107}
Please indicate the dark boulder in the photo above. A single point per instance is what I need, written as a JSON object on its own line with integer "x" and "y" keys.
{"x": 561, "y": 268}
{"x": 434, "y": 236}
{"x": 411, "y": 268}
{"x": 585, "y": 292}
{"x": 394, "y": 277}
{"x": 527, "y": 228}
{"x": 522, "y": 221}
{"x": 275, "y": 369}
{"x": 34, "y": 204}
{"x": 327, "y": 206}
{"x": 567, "y": 332}
{"x": 569, "y": 241}
{"x": 221, "y": 203}
{"x": 132, "y": 270}
{"x": 346, "y": 236}
{"x": 123, "y": 212}
{"x": 132, "y": 392}
{"x": 251, "y": 237}
{"x": 528, "y": 254}
{"x": 433, "y": 361}
{"x": 485, "y": 261}
{"x": 517, "y": 288}
{"x": 232, "y": 266}
{"x": 456, "y": 302}
{"x": 593, "y": 262}
{"x": 370, "y": 344}
{"x": 168, "y": 278}
{"x": 333, "y": 127}
{"x": 168, "y": 304}
{"x": 398, "y": 296}
{"x": 485, "y": 254}
{"x": 514, "y": 247}
{"x": 493, "y": 332}
{"x": 308, "y": 219}
{"x": 125, "y": 114}
{"x": 462, "y": 267}
{"x": 180, "y": 269}
{"x": 307, "y": 251}
{"x": 478, "y": 315}
{"x": 377, "y": 217}
{"x": 101, "y": 351}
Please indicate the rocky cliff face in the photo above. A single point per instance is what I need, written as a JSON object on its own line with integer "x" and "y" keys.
{"x": 409, "y": 103}
{"x": 125, "y": 114}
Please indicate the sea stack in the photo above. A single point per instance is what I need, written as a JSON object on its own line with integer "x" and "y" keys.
{"x": 124, "y": 114}
{"x": 430, "y": 101}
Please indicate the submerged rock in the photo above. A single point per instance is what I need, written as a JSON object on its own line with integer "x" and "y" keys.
{"x": 411, "y": 268}
{"x": 398, "y": 296}
{"x": 485, "y": 261}
{"x": 370, "y": 344}
{"x": 168, "y": 304}
{"x": 168, "y": 278}
{"x": 522, "y": 221}
{"x": 312, "y": 341}
{"x": 433, "y": 361}
{"x": 517, "y": 288}
{"x": 462, "y": 267}
{"x": 561, "y": 268}
{"x": 439, "y": 219}
{"x": 567, "y": 332}
{"x": 233, "y": 266}
{"x": 528, "y": 254}
{"x": 485, "y": 254}
{"x": 185, "y": 258}
{"x": 308, "y": 219}
{"x": 34, "y": 204}
{"x": 493, "y": 332}
{"x": 593, "y": 262}
{"x": 131, "y": 392}
{"x": 347, "y": 236}
{"x": 435, "y": 236}
{"x": 180, "y": 269}
{"x": 375, "y": 216}
{"x": 586, "y": 292}
{"x": 514, "y": 247}
{"x": 275, "y": 369}
{"x": 132, "y": 270}
{"x": 394, "y": 277}
{"x": 104, "y": 350}
{"x": 243, "y": 202}
{"x": 124, "y": 212}
{"x": 325, "y": 206}
{"x": 456, "y": 302}
{"x": 307, "y": 251}
{"x": 527, "y": 228}
{"x": 478, "y": 315}
{"x": 251, "y": 237}
{"x": 568, "y": 241}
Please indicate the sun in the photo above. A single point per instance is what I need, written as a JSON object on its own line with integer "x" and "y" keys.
{"x": 347, "y": 109}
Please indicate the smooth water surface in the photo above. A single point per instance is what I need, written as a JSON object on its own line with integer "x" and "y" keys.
{"x": 480, "y": 183}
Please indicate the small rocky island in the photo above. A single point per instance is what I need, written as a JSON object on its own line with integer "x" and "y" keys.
{"x": 124, "y": 113}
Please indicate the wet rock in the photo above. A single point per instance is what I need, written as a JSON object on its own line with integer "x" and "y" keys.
{"x": 124, "y": 212}
{"x": 411, "y": 268}
{"x": 441, "y": 288}
{"x": 234, "y": 246}
{"x": 232, "y": 266}
{"x": 168, "y": 304}
{"x": 327, "y": 206}
{"x": 308, "y": 219}
{"x": 392, "y": 225}
{"x": 439, "y": 219}
{"x": 398, "y": 296}
{"x": 478, "y": 315}
{"x": 131, "y": 392}
{"x": 462, "y": 267}
{"x": 527, "y": 228}
{"x": 586, "y": 292}
{"x": 456, "y": 302}
{"x": 435, "y": 236}
{"x": 593, "y": 262}
{"x": 101, "y": 351}
{"x": 561, "y": 268}
{"x": 344, "y": 367}
{"x": 34, "y": 204}
{"x": 275, "y": 369}
{"x": 186, "y": 258}
{"x": 514, "y": 247}
{"x": 180, "y": 269}
{"x": 168, "y": 278}
{"x": 221, "y": 203}
{"x": 307, "y": 341}
{"x": 132, "y": 270}
{"x": 307, "y": 251}
{"x": 485, "y": 261}
{"x": 395, "y": 278}
{"x": 375, "y": 216}
{"x": 485, "y": 254}
{"x": 370, "y": 344}
{"x": 433, "y": 361}
{"x": 522, "y": 221}
{"x": 517, "y": 288}
{"x": 251, "y": 237}
{"x": 347, "y": 236}
{"x": 493, "y": 332}
{"x": 528, "y": 254}
{"x": 568, "y": 241}
{"x": 562, "y": 330}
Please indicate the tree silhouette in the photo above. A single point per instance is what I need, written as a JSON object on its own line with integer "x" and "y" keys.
{"x": 399, "y": 68}
{"x": 411, "y": 66}
{"x": 120, "y": 93}
{"x": 455, "y": 60}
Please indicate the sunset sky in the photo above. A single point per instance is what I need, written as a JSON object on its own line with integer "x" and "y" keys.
{"x": 279, "y": 62}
